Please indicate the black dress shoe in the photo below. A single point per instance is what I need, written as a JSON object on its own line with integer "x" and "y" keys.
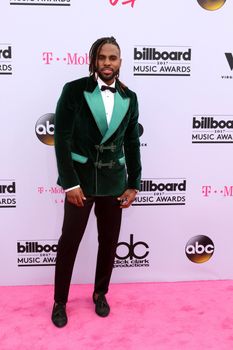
{"x": 59, "y": 316}
{"x": 101, "y": 305}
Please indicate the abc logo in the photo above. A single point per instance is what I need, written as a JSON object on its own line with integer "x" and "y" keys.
{"x": 211, "y": 5}
{"x": 199, "y": 249}
{"x": 141, "y": 130}
{"x": 45, "y": 129}
{"x": 130, "y": 251}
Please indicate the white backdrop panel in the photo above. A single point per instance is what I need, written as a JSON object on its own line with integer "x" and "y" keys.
{"x": 153, "y": 237}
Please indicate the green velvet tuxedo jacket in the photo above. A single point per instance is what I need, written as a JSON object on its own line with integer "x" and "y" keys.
{"x": 103, "y": 160}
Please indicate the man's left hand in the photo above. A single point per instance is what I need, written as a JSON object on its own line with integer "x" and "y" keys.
{"x": 127, "y": 198}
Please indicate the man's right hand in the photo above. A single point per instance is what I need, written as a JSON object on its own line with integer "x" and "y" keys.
{"x": 76, "y": 197}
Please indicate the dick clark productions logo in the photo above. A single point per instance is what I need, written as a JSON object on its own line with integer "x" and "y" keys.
{"x": 199, "y": 249}
{"x": 132, "y": 254}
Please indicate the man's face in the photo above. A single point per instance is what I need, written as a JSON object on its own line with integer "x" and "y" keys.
{"x": 108, "y": 63}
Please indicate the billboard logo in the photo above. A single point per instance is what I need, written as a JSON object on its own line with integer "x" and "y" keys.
{"x": 212, "y": 129}
{"x": 5, "y": 59}
{"x": 162, "y": 61}
{"x": 161, "y": 192}
{"x": 36, "y": 253}
{"x": 41, "y": 2}
{"x": 7, "y": 194}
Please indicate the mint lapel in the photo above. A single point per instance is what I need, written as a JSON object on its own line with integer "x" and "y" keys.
{"x": 96, "y": 105}
{"x": 121, "y": 106}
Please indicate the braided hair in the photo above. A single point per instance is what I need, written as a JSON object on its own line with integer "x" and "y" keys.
{"x": 94, "y": 51}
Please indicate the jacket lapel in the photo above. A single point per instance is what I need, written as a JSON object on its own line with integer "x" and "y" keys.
{"x": 96, "y": 105}
{"x": 121, "y": 106}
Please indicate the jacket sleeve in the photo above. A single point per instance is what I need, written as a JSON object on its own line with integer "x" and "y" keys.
{"x": 64, "y": 122}
{"x": 132, "y": 147}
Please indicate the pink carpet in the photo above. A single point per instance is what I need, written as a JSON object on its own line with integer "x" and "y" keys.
{"x": 147, "y": 316}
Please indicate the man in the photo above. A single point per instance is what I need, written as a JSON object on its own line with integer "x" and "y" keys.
{"x": 98, "y": 158}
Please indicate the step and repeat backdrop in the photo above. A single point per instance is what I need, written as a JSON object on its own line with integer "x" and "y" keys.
{"x": 178, "y": 58}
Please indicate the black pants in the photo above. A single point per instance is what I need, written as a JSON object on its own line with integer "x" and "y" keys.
{"x": 108, "y": 214}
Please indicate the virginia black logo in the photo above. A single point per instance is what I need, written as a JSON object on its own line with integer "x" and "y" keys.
{"x": 45, "y": 129}
{"x": 212, "y": 129}
{"x": 211, "y": 5}
{"x": 229, "y": 58}
{"x": 7, "y": 194}
{"x": 5, "y": 59}
{"x": 161, "y": 192}
{"x": 162, "y": 60}
{"x": 199, "y": 249}
{"x": 36, "y": 253}
{"x": 132, "y": 254}
{"x": 41, "y": 2}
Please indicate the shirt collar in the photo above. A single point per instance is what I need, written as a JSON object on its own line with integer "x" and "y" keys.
{"x": 101, "y": 82}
